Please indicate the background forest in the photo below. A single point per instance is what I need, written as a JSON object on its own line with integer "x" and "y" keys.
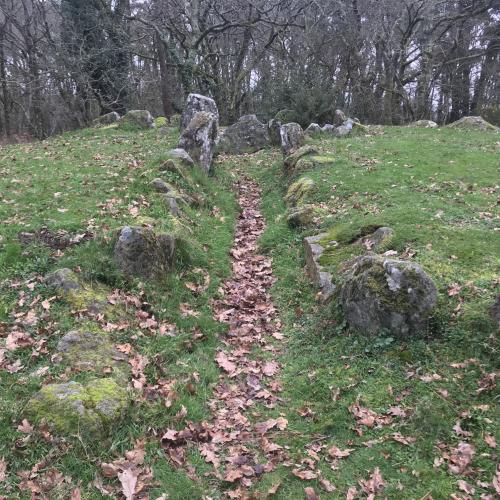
{"x": 64, "y": 62}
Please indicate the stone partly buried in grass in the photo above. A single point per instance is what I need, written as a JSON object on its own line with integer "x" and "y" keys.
{"x": 137, "y": 118}
{"x": 316, "y": 272}
{"x": 291, "y": 160}
{"x": 380, "y": 294}
{"x": 86, "y": 409}
{"x": 299, "y": 192}
{"x": 301, "y": 216}
{"x": 78, "y": 294}
{"x": 85, "y": 350}
{"x": 247, "y": 135}
{"x": 141, "y": 252}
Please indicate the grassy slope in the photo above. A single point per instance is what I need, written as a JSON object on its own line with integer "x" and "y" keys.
{"x": 100, "y": 175}
{"x": 437, "y": 190}
{"x": 407, "y": 186}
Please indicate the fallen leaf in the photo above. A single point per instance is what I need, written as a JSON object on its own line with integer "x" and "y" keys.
{"x": 25, "y": 427}
{"x": 490, "y": 440}
{"x": 311, "y": 494}
{"x": 465, "y": 486}
{"x": 305, "y": 475}
{"x": 3, "y": 470}
{"x": 224, "y": 362}
{"x": 335, "y": 452}
{"x": 326, "y": 485}
{"x": 397, "y": 436}
{"x": 352, "y": 493}
{"x": 128, "y": 480}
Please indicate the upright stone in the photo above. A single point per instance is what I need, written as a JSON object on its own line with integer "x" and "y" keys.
{"x": 194, "y": 104}
{"x": 340, "y": 117}
{"x": 141, "y": 253}
{"x": 274, "y": 129}
{"x": 247, "y": 135}
{"x": 314, "y": 128}
{"x": 292, "y": 137}
{"x": 198, "y": 139}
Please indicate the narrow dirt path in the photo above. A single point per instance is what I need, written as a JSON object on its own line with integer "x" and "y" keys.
{"x": 237, "y": 440}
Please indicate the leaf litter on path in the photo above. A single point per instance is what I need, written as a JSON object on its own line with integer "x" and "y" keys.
{"x": 237, "y": 441}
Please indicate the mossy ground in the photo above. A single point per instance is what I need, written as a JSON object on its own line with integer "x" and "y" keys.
{"x": 436, "y": 189}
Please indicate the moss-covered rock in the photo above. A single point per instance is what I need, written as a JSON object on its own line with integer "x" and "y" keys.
{"x": 107, "y": 119}
{"x": 380, "y": 294}
{"x": 301, "y": 216}
{"x": 161, "y": 121}
{"x": 379, "y": 240}
{"x": 81, "y": 296}
{"x": 137, "y": 118}
{"x": 141, "y": 252}
{"x": 161, "y": 186}
{"x": 301, "y": 153}
{"x": 79, "y": 409}
{"x": 92, "y": 350}
{"x": 300, "y": 191}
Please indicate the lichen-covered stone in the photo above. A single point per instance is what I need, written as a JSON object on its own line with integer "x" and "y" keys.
{"x": 316, "y": 272}
{"x": 303, "y": 165}
{"x": 86, "y": 350}
{"x": 378, "y": 240}
{"x": 342, "y": 131}
{"x": 172, "y": 205}
{"x": 380, "y": 294}
{"x": 63, "y": 279}
{"x": 424, "y": 124}
{"x": 340, "y": 118}
{"x": 79, "y": 295}
{"x": 247, "y": 135}
{"x": 107, "y": 119}
{"x": 292, "y": 159}
{"x": 161, "y": 186}
{"x": 328, "y": 128}
{"x": 199, "y": 137}
{"x": 299, "y": 191}
{"x": 181, "y": 155}
{"x": 292, "y": 137}
{"x": 140, "y": 252}
{"x": 474, "y": 123}
{"x": 139, "y": 118}
{"x": 86, "y": 410}
{"x": 301, "y": 216}
{"x": 274, "y": 129}
{"x": 313, "y": 128}
{"x": 194, "y": 104}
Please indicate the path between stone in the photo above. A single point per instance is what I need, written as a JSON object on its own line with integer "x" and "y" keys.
{"x": 236, "y": 440}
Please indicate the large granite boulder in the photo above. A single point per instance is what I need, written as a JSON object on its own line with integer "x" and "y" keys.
{"x": 316, "y": 272}
{"x": 107, "y": 119}
{"x": 274, "y": 129}
{"x": 199, "y": 137}
{"x": 140, "y": 252}
{"x": 194, "y": 104}
{"x": 394, "y": 296}
{"x": 89, "y": 409}
{"x": 292, "y": 137}
{"x": 474, "y": 123}
{"x": 247, "y": 135}
{"x": 137, "y": 118}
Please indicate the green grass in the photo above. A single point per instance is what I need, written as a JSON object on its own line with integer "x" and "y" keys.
{"x": 410, "y": 177}
{"x": 436, "y": 189}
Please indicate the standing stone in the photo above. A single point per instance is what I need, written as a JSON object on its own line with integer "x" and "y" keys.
{"x": 141, "y": 253}
{"x": 198, "y": 138}
{"x": 316, "y": 272}
{"x": 340, "y": 117}
{"x": 380, "y": 294}
{"x": 274, "y": 129}
{"x": 107, "y": 119}
{"x": 314, "y": 128}
{"x": 194, "y": 104}
{"x": 247, "y": 135}
{"x": 139, "y": 118}
{"x": 292, "y": 137}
